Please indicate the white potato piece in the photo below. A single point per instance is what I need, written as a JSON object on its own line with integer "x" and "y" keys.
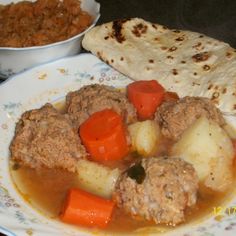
{"x": 144, "y": 137}
{"x": 209, "y": 149}
{"x": 96, "y": 178}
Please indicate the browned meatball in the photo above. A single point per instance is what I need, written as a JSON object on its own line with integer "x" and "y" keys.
{"x": 158, "y": 188}
{"x": 44, "y": 137}
{"x": 176, "y": 116}
{"x": 82, "y": 103}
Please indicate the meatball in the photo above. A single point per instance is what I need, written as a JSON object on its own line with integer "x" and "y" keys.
{"x": 157, "y": 188}
{"x": 82, "y": 103}
{"x": 174, "y": 117}
{"x": 44, "y": 137}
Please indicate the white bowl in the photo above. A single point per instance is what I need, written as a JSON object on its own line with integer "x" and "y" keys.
{"x": 14, "y": 60}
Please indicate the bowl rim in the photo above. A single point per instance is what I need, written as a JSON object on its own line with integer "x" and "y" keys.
{"x": 97, "y": 16}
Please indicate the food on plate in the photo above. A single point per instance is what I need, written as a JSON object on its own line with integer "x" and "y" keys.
{"x": 209, "y": 149}
{"x": 26, "y": 23}
{"x": 146, "y": 96}
{"x": 93, "y": 163}
{"x": 97, "y": 178}
{"x": 104, "y": 136}
{"x": 45, "y": 137}
{"x": 84, "y": 102}
{"x": 168, "y": 187}
{"x": 145, "y": 136}
{"x": 174, "y": 117}
{"x": 188, "y": 63}
{"x": 86, "y": 209}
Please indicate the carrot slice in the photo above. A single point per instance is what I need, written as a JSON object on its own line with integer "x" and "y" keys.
{"x": 85, "y": 209}
{"x": 104, "y": 136}
{"x": 146, "y": 96}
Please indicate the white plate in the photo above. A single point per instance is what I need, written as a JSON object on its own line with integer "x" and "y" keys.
{"x": 49, "y": 83}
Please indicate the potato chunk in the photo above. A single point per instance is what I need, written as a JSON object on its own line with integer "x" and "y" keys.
{"x": 209, "y": 149}
{"x": 144, "y": 137}
{"x": 96, "y": 178}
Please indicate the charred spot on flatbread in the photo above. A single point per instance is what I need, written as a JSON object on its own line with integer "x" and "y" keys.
{"x": 210, "y": 86}
{"x": 139, "y": 29}
{"x": 176, "y": 31}
{"x": 206, "y": 67}
{"x": 179, "y": 39}
{"x": 175, "y": 71}
{"x": 230, "y": 54}
{"x": 224, "y": 90}
{"x": 172, "y": 49}
{"x": 99, "y": 55}
{"x": 199, "y": 57}
{"x": 154, "y": 26}
{"x": 164, "y": 48}
{"x": 215, "y": 97}
{"x": 117, "y": 30}
{"x": 197, "y": 45}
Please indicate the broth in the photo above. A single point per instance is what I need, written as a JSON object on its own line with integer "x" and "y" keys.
{"x": 46, "y": 188}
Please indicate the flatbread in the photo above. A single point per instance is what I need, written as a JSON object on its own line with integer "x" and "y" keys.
{"x": 185, "y": 62}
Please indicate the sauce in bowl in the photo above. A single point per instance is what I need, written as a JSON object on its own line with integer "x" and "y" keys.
{"x": 26, "y": 24}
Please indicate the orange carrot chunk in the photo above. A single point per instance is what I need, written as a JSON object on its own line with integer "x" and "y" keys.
{"x": 85, "y": 209}
{"x": 146, "y": 96}
{"x": 104, "y": 136}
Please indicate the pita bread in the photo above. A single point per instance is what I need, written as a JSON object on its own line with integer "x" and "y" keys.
{"x": 185, "y": 62}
